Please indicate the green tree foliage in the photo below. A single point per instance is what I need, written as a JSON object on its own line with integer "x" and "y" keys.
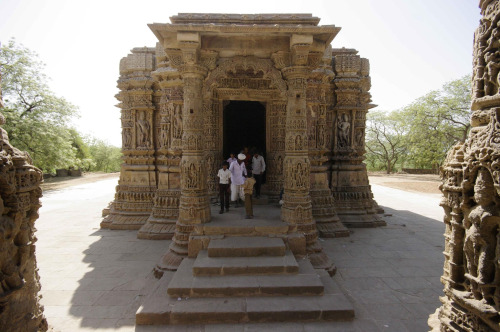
{"x": 36, "y": 119}
{"x": 423, "y": 131}
{"x": 385, "y": 140}
{"x": 106, "y": 158}
{"x": 436, "y": 122}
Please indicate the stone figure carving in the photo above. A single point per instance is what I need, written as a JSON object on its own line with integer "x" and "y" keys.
{"x": 481, "y": 238}
{"x": 143, "y": 130}
{"x": 298, "y": 142}
{"x": 360, "y": 137}
{"x": 321, "y": 137}
{"x": 471, "y": 202}
{"x": 491, "y": 73}
{"x": 299, "y": 176}
{"x": 164, "y": 135}
{"x": 177, "y": 123}
{"x": 127, "y": 138}
{"x": 344, "y": 126}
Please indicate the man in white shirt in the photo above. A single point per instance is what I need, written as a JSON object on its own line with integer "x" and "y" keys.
{"x": 258, "y": 168}
{"x": 238, "y": 175}
{"x": 224, "y": 182}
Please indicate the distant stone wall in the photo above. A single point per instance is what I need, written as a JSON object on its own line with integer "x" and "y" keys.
{"x": 420, "y": 171}
{"x": 471, "y": 201}
{"x": 20, "y": 309}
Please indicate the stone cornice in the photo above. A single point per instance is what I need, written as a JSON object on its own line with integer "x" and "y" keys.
{"x": 290, "y": 18}
{"x": 325, "y": 33}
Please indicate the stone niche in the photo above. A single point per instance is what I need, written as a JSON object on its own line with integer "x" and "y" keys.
{"x": 174, "y": 100}
{"x": 471, "y": 198}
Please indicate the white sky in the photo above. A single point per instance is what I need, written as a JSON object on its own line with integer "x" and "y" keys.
{"x": 414, "y": 46}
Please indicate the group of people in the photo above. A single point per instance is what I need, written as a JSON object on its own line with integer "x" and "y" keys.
{"x": 237, "y": 179}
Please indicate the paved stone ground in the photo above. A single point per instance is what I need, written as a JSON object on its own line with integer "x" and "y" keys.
{"x": 91, "y": 278}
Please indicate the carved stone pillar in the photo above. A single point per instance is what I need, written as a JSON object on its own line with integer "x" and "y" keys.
{"x": 168, "y": 134}
{"x": 194, "y": 207}
{"x": 168, "y": 96}
{"x": 276, "y": 150}
{"x": 297, "y": 207}
{"x": 471, "y": 199}
{"x": 319, "y": 109}
{"x": 354, "y": 201}
{"x": 137, "y": 184}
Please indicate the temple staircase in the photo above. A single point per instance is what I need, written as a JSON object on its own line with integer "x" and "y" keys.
{"x": 241, "y": 273}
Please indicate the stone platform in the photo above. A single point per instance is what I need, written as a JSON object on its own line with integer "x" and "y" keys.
{"x": 239, "y": 279}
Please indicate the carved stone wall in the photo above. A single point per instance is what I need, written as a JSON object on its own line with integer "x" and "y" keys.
{"x": 173, "y": 133}
{"x": 168, "y": 103}
{"x": 354, "y": 201}
{"x": 137, "y": 185}
{"x": 471, "y": 199}
{"x": 20, "y": 193}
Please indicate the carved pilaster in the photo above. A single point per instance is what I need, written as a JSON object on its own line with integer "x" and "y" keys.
{"x": 297, "y": 206}
{"x": 134, "y": 194}
{"x": 319, "y": 109}
{"x": 168, "y": 134}
{"x": 194, "y": 205}
{"x": 354, "y": 201}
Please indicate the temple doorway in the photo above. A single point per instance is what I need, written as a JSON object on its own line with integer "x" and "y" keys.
{"x": 244, "y": 125}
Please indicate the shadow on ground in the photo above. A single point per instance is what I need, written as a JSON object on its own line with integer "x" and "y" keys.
{"x": 92, "y": 278}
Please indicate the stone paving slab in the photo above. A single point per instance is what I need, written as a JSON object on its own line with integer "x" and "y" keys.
{"x": 73, "y": 250}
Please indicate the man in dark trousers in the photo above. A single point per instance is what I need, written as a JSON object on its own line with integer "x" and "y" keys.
{"x": 258, "y": 168}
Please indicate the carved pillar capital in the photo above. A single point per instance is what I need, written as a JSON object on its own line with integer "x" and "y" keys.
{"x": 299, "y": 47}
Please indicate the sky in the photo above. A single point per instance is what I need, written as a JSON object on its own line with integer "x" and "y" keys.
{"x": 414, "y": 47}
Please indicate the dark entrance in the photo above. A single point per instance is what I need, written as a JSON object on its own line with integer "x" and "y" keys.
{"x": 244, "y": 125}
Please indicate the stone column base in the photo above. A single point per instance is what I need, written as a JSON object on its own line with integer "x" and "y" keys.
{"x": 123, "y": 221}
{"x": 157, "y": 229}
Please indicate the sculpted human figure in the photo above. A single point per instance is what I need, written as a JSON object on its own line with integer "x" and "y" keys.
{"x": 127, "y": 137}
{"x": 143, "y": 126}
{"x": 343, "y": 134}
{"x": 164, "y": 135}
{"x": 177, "y": 122}
{"x": 491, "y": 74}
{"x": 360, "y": 137}
{"x": 494, "y": 40}
{"x": 480, "y": 243}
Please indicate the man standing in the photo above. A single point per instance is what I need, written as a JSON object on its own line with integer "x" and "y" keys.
{"x": 238, "y": 174}
{"x": 224, "y": 182}
{"x": 258, "y": 168}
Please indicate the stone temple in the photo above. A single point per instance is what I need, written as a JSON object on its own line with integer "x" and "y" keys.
{"x": 213, "y": 84}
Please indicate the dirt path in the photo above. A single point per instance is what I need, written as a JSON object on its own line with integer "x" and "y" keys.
{"x": 422, "y": 183}
{"x": 68, "y": 181}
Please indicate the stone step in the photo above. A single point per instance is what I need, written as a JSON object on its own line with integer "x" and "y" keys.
{"x": 184, "y": 284}
{"x": 246, "y": 246}
{"x": 159, "y": 309}
{"x": 235, "y": 224}
{"x": 205, "y": 266}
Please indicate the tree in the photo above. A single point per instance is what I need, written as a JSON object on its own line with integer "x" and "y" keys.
{"x": 36, "y": 119}
{"x": 437, "y": 121}
{"x": 107, "y": 158}
{"x": 385, "y": 139}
